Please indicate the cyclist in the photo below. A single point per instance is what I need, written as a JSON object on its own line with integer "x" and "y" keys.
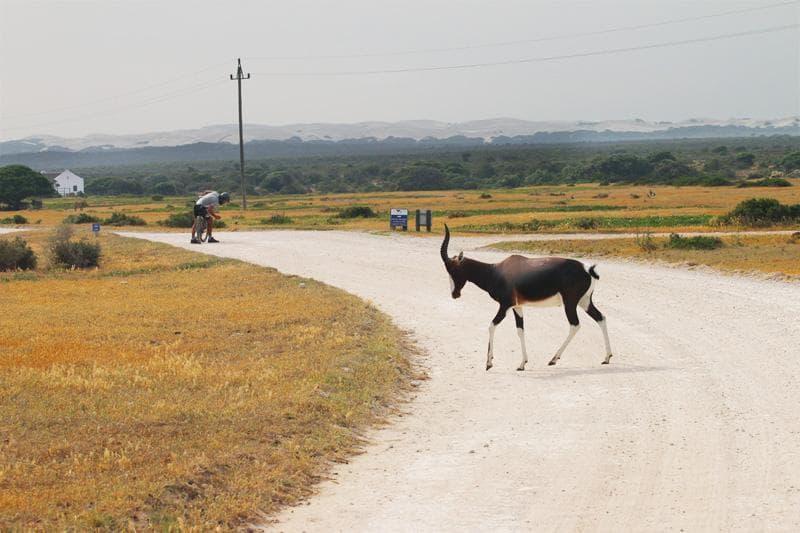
{"x": 206, "y": 207}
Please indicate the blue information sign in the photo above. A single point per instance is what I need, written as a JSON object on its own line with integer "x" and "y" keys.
{"x": 398, "y": 218}
{"x": 96, "y": 227}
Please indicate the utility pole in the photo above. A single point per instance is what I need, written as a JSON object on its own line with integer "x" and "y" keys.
{"x": 239, "y": 77}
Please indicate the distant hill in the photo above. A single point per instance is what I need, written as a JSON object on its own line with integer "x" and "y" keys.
{"x": 220, "y": 142}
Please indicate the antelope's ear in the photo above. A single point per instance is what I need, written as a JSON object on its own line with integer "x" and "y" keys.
{"x": 461, "y": 256}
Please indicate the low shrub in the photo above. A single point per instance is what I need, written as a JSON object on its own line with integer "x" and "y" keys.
{"x": 761, "y": 212}
{"x": 485, "y": 195}
{"x": 123, "y": 219}
{"x": 82, "y": 218}
{"x": 16, "y": 255}
{"x": 277, "y": 219}
{"x": 702, "y": 180}
{"x": 645, "y": 242}
{"x": 585, "y": 223}
{"x": 698, "y": 242}
{"x": 157, "y": 197}
{"x": 357, "y": 211}
{"x": 457, "y": 214}
{"x": 766, "y": 182}
{"x": 16, "y": 219}
{"x": 182, "y": 219}
{"x": 72, "y": 254}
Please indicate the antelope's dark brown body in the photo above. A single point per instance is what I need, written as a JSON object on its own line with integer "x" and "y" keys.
{"x": 518, "y": 281}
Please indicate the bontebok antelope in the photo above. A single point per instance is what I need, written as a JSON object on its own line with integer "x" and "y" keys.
{"x": 518, "y": 281}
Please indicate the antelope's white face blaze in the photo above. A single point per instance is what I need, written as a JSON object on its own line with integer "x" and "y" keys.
{"x": 452, "y": 283}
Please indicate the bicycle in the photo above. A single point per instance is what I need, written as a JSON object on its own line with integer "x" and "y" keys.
{"x": 200, "y": 228}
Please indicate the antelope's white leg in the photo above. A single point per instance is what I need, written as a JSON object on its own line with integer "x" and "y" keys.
{"x": 489, "y": 354}
{"x": 573, "y": 329}
{"x": 601, "y": 321}
{"x": 521, "y": 333}
{"x": 605, "y": 337}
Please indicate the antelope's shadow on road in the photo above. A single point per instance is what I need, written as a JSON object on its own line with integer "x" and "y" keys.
{"x": 558, "y": 373}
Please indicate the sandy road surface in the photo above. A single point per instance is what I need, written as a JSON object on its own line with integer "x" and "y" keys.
{"x": 694, "y": 426}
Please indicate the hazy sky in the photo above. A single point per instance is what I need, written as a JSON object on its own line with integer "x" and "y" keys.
{"x": 72, "y": 67}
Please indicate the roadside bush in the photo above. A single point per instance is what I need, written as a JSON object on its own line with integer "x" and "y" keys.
{"x": 762, "y": 212}
{"x": 72, "y": 254}
{"x": 357, "y": 211}
{"x": 123, "y": 219}
{"x": 16, "y": 219}
{"x": 645, "y": 242}
{"x": 182, "y": 219}
{"x": 277, "y": 219}
{"x": 585, "y": 223}
{"x": 16, "y": 255}
{"x": 698, "y": 242}
{"x": 82, "y": 218}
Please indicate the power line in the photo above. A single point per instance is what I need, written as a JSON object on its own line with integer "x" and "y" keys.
{"x": 154, "y": 100}
{"x": 534, "y": 40}
{"x": 110, "y": 98}
{"x": 610, "y": 51}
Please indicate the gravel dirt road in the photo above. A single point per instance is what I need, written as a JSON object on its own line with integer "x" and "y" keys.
{"x": 694, "y": 426}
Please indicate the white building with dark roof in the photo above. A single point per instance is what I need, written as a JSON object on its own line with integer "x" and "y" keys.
{"x": 67, "y": 183}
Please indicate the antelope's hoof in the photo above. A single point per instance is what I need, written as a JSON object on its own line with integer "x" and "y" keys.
{"x": 488, "y": 366}
{"x": 520, "y": 369}
{"x": 551, "y": 363}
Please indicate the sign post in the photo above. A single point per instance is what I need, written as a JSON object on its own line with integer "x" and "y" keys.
{"x": 424, "y": 218}
{"x": 398, "y": 218}
{"x": 96, "y": 229}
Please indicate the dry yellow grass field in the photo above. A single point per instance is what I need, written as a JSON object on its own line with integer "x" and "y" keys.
{"x": 169, "y": 391}
{"x": 462, "y": 210}
{"x": 773, "y": 254}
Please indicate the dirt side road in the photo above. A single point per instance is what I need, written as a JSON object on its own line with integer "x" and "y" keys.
{"x": 694, "y": 426}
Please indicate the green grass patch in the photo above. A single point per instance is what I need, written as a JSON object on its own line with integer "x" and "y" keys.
{"x": 594, "y": 223}
{"x": 697, "y": 242}
{"x": 277, "y": 219}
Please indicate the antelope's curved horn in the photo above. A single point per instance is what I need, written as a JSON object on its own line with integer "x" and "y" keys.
{"x": 445, "y": 243}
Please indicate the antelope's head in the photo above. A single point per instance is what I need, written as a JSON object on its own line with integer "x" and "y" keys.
{"x": 453, "y": 265}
